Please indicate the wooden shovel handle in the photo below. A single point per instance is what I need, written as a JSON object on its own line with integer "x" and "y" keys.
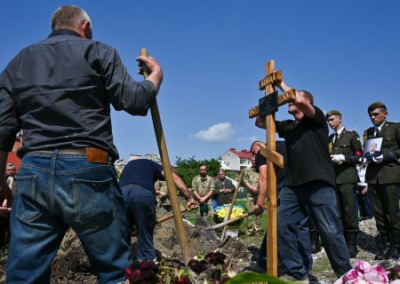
{"x": 169, "y": 216}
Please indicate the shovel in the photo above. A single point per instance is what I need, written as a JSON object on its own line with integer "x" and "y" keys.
{"x": 202, "y": 226}
{"x": 169, "y": 216}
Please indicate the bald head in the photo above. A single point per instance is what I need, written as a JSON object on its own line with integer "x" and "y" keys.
{"x": 72, "y": 17}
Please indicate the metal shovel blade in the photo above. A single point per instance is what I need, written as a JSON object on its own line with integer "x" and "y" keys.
{"x": 202, "y": 227}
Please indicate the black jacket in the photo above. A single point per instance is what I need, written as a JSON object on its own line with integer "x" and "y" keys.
{"x": 387, "y": 172}
{"x": 349, "y": 145}
{"x": 59, "y": 91}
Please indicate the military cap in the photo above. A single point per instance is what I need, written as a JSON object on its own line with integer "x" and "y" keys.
{"x": 332, "y": 112}
{"x": 376, "y": 105}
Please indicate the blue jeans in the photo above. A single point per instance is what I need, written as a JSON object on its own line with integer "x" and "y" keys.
{"x": 318, "y": 200}
{"x": 140, "y": 209}
{"x": 58, "y": 191}
{"x": 303, "y": 242}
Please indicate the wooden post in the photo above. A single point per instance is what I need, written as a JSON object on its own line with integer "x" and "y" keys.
{"x": 273, "y": 158}
{"x": 272, "y": 248}
{"x": 162, "y": 147}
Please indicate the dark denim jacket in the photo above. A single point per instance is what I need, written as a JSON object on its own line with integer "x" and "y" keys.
{"x": 59, "y": 91}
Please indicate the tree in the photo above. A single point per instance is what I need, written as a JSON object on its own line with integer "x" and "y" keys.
{"x": 187, "y": 169}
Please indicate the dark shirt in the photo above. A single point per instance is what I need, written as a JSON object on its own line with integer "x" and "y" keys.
{"x": 142, "y": 172}
{"x": 307, "y": 150}
{"x": 280, "y": 173}
{"x": 59, "y": 92}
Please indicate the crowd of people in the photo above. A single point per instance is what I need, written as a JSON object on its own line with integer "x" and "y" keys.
{"x": 61, "y": 100}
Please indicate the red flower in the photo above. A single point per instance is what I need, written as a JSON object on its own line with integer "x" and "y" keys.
{"x": 181, "y": 280}
{"x": 197, "y": 266}
{"x": 216, "y": 257}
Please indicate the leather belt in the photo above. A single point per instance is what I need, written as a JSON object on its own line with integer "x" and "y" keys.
{"x": 93, "y": 155}
{"x": 81, "y": 151}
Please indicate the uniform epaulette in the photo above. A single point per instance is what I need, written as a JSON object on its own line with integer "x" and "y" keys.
{"x": 349, "y": 130}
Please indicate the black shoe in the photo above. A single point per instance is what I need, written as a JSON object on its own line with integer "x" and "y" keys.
{"x": 353, "y": 251}
{"x": 315, "y": 247}
{"x": 392, "y": 253}
{"x": 256, "y": 267}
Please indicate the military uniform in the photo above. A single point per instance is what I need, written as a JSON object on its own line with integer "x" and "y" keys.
{"x": 163, "y": 201}
{"x": 383, "y": 181}
{"x": 203, "y": 186}
{"x": 253, "y": 222}
{"x": 349, "y": 145}
{"x": 223, "y": 198}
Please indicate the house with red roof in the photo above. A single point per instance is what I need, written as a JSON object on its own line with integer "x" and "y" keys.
{"x": 234, "y": 160}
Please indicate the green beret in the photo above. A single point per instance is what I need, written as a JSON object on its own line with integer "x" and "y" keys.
{"x": 376, "y": 105}
{"x": 332, "y": 112}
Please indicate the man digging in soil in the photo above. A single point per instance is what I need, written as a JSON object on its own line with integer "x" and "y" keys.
{"x": 59, "y": 92}
{"x": 137, "y": 183}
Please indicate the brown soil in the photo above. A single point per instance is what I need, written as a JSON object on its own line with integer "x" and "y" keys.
{"x": 72, "y": 266}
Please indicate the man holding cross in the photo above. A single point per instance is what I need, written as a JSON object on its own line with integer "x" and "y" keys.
{"x": 309, "y": 188}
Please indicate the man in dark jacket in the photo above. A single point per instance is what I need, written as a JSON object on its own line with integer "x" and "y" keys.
{"x": 383, "y": 178}
{"x": 223, "y": 189}
{"x": 59, "y": 92}
{"x": 345, "y": 151}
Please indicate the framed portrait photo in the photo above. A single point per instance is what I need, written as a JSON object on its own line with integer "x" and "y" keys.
{"x": 372, "y": 148}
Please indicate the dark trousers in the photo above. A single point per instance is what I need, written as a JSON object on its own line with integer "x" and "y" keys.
{"x": 347, "y": 206}
{"x": 385, "y": 202}
{"x": 364, "y": 204}
{"x": 318, "y": 200}
{"x": 4, "y": 231}
{"x": 303, "y": 242}
{"x": 140, "y": 209}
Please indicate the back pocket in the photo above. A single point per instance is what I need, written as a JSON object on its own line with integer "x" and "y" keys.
{"x": 27, "y": 207}
{"x": 94, "y": 202}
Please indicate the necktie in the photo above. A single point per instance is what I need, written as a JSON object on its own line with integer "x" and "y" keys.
{"x": 377, "y": 132}
{"x": 335, "y": 142}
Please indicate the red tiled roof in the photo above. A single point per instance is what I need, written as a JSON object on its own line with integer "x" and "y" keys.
{"x": 244, "y": 154}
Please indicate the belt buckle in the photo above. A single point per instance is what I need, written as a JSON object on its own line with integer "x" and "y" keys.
{"x": 94, "y": 155}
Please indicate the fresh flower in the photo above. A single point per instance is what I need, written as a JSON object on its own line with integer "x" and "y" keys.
{"x": 197, "y": 266}
{"x": 216, "y": 258}
{"x": 364, "y": 273}
{"x": 222, "y": 211}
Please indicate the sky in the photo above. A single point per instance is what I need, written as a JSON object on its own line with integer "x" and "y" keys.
{"x": 213, "y": 54}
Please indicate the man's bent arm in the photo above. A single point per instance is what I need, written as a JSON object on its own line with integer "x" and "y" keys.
{"x": 5, "y": 191}
{"x": 262, "y": 185}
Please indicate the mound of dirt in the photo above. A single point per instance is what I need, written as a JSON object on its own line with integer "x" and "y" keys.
{"x": 71, "y": 264}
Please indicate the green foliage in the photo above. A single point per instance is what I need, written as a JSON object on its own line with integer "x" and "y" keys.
{"x": 187, "y": 169}
{"x": 252, "y": 277}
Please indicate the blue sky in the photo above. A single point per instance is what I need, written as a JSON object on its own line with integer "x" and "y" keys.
{"x": 347, "y": 53}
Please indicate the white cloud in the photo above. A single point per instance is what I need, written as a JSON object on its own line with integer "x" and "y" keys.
{"x": 220, "y": 132}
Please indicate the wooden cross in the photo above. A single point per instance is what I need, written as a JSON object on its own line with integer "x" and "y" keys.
{"x": 273, "y": 158}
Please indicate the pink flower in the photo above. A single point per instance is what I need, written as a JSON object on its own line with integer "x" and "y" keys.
{"x": 353, "y": 276}
{"x": 377, "y": 275}
{"x": 363, "y": 266}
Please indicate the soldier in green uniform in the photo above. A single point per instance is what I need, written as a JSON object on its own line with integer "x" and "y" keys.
{"x": 250, "y": 180}
{"x": 383, "y": 178}
{"x": 161, "y": 189}
{"x": 345, "y": 150}
{"x": 223, "y": 189}
{"x": 203, "y": 190}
